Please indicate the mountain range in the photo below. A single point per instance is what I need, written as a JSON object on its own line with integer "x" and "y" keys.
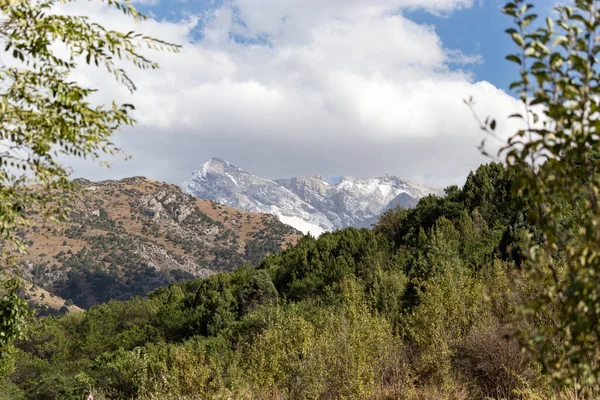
{"x": 310, "y": 204}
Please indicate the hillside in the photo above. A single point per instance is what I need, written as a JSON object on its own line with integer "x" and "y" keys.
{"x": 127, "y": 237}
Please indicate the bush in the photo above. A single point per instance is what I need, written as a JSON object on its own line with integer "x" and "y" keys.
{"x": 491, "y": 360}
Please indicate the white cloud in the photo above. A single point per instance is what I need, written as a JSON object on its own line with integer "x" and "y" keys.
{"x": 341, "y": 87}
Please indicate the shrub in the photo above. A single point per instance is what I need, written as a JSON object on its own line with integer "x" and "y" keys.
{"x": 491, "y": 360}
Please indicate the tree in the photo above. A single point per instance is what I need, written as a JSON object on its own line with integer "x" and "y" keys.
{"x": 259, "y": 290}
{"x": 44, "y": 113}
{"x": 13, "y": 313}
{"x": 554, "y": 157}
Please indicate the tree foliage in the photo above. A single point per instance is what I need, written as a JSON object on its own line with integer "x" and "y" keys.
{"x": 355, "y": 313}
{"x": 554, "y": 158}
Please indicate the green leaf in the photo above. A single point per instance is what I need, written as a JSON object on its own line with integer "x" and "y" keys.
{"x": 560, "y": 40}
{"x": 514, "y": 58}
{"x": 515, "y": 85}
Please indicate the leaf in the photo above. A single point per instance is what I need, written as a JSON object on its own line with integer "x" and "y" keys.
{"x": 527, "y": 20}
{"x": 515, "y": 85}
{"x": 559, "y": 40}
{"x": 514, "y": 58}
{"x": 538, "y": 65}
{"x": 518, "y": 39}
{"x": 536, "y": 101}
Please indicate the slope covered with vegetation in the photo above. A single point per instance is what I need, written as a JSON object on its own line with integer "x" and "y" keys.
{"x": 418, "y": 307}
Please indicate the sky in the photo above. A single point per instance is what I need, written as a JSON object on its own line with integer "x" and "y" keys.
{"x": 286, "y": 88}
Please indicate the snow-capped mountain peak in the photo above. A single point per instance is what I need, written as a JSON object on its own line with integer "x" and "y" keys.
{"x": 309, "y": 204}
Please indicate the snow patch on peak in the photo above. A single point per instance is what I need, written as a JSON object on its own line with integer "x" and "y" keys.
{"x": 205, "y": 168}
{"x": 302, "y": 225}
{"x": 232, "y": 179}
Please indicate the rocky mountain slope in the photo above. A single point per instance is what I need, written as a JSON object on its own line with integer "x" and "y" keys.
{"x": 309, "y": 204}
{"x": 127, "y": 237}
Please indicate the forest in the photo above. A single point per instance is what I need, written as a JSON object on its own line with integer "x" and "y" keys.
{"x": 425, "y": 306}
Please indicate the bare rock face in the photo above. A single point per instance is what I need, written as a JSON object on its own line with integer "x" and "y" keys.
{"x": 151, "y": 206}
{"x": 309, "y": 204}
{"x": 159, "y": 258}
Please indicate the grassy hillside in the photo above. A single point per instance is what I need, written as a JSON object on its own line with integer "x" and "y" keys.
{"x": 125, "y": 238}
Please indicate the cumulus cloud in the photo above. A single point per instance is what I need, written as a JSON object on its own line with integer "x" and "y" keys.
{"x": 297, "y": 87}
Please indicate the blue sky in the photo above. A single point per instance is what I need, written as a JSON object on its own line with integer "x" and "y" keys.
{"x": 319, "y": 87}
{"x": 477, "y": 30}
{"x": 480, "y": 30}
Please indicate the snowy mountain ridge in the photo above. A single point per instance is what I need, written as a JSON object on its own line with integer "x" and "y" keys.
{"x": 309, "y": 204}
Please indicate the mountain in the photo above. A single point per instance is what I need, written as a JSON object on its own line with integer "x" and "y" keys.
{"x": 124, "y": 238}
{"x": 309, "y": 204}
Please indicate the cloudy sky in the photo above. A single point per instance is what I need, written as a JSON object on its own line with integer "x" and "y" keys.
{"x": 301, "y": 87}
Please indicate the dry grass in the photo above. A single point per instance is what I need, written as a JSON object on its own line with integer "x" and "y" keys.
{"x": 41, "y": 298}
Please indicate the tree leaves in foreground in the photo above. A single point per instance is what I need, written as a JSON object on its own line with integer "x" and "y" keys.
{"x": 555, "y": 157}
{"x": 44, "y": 113}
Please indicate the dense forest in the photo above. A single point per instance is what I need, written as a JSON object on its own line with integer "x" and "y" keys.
{"x": 417, "y": 307}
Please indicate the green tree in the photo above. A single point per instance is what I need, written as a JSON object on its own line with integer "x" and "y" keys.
{"x": 332, "y": 353}
{"x": 259, "y": 290}
{"x": 13, "y": 313}
{"x": 554, "y": 158}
